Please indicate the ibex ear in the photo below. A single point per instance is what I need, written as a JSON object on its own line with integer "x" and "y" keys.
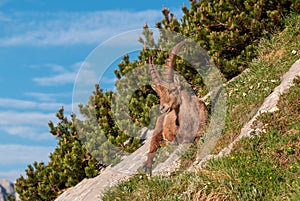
{"x": 177, "y": 82}
{"x": 155, "y": 87}
{"x": 160, "y": 90}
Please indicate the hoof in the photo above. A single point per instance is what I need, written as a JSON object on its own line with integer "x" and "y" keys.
{"x": 148, "y": 170}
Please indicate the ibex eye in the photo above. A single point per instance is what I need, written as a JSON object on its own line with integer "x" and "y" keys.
{"x": 172, "y": 89}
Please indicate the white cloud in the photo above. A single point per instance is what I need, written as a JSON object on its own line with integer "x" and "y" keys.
{"x": 15, "y": 103}
{"x": 32, "y": 122}
{"x": 21, "y": 118}
{"x": 47, "y": 97}
{"x": 11, "y": 175}
{"x": 74, "y": 28}
{"x": 57, "y": 68}
{"x": 29, "y": 118}
{"x": 30, "y": 125}
{"x": 25, "y": 104}
{"x": 18, "y": 154}
{"x": 59, "y": 79}
{"x": 61, "y": 75}
{"x": 55, "y": 106}
{"x": 28, "y": 132}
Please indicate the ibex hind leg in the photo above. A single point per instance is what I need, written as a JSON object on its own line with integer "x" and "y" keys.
{"x": 203, "y": 119}
{"x": 198, "y": 137}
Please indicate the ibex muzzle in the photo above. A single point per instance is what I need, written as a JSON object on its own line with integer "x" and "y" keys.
{"x": 169, "y": 98}
{"x": 183, "y": 116}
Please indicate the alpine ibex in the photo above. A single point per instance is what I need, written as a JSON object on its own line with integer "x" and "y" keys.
{"x": 183, "y": 116}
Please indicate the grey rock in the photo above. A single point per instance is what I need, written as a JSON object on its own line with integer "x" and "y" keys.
{"x": 6, "y": 188}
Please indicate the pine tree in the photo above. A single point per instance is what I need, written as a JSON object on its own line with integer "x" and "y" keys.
{"x": 69, "y": 164}
{"x": 230, "y": 30}
{"x": 100, "y": 132}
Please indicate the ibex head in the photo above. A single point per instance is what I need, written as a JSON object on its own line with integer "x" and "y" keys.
{"x": 168, "y": 89}
{"x": 169, "y": 98}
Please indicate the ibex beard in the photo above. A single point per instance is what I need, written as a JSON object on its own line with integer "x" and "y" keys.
{"x": 183, "y": 117}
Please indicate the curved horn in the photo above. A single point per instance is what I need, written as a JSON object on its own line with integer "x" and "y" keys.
{"x": 171, "y": 61}
{"x": 153, "y": 73}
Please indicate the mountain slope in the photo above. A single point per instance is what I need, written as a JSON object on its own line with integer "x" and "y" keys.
{"x": 266, "y": 166}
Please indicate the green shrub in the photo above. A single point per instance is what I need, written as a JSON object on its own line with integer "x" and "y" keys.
{"x": 69, "y": 164}
{"x": 230, "y": 30}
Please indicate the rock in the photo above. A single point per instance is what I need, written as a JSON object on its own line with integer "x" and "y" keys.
{"x": 6, "y": 188}
{"x": 93, "y": 189}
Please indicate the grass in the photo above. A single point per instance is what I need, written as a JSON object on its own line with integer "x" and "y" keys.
{"x": 263, "y": 167}
{"x": 246, "y": 94}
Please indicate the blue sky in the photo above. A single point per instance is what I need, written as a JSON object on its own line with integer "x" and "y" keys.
{"x": 42, "y": 46}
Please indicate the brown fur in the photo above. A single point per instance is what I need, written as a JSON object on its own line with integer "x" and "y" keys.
{"x": 183, "y": 122}
{"x": 170, "y": 126}
{"x": 183, "y": 116}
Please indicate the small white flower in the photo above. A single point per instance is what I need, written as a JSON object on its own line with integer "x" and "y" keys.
{"x": 274, "y": 109}
{"x": 294, "y": 52}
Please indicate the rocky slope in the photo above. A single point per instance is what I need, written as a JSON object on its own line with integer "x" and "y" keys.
{"x": 92, "y": 189}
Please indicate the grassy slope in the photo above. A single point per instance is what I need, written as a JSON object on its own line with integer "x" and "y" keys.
{"x": 264, "y": 167}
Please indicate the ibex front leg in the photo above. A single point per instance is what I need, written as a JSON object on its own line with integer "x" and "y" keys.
{"x": 156, "y": 139}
